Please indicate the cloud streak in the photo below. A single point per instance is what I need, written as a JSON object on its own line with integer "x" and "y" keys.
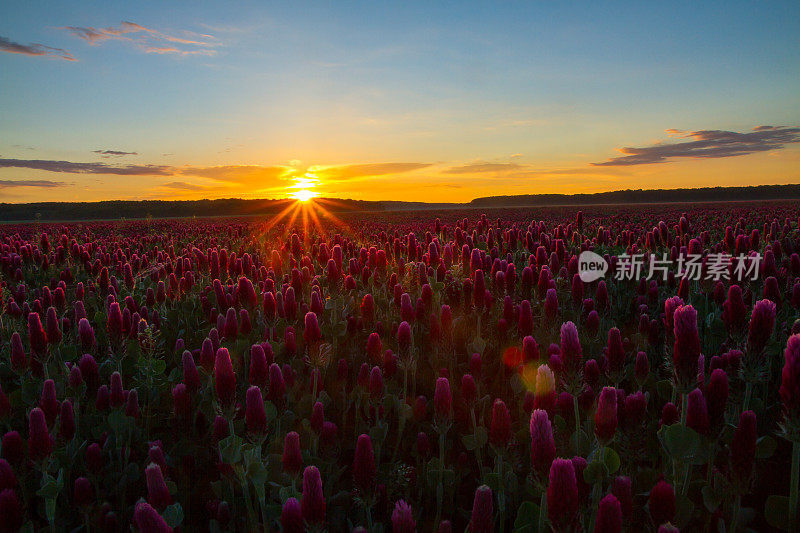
{"x": 346, "y": 172}
{"x": 113, "y": 153}
{"x": 45, "y": 184}
{"x": 707, "y": 144}
{"x": 476, "y": 168}
{"x": 147, "y": 39}
{"x": 34, "y": 49}
{"x": 87, "y": 168}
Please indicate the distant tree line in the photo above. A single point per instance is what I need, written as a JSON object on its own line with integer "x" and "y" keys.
{"x": 650, "y": 196}
{"x": 129, "y": 209}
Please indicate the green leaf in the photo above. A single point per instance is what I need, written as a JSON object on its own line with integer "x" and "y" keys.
{"x": 469, "y": 442}
{"x": 50, "y": 509}
{"x": 683, "y": 510}
{"x": 481, "y": 436}
{"x": 272, "y": 411}
{"x": 159, "y": 366}
{"x": 594, "y": 472}
{"x": 664, "y": 388}
{"x": 478, "y": 345}
{"x": 765, "y": 447}
{"x": 611, "y": 460}
{"x": 230, "y": 448}
{"x": 776, "y": 511}
{"x": 581, "y": 443}
{"x": 710, "y": 498}
{"x": 494, "y": 481}
{"x": 681, "y": 442}
{"x": 527, "y": 520}
{"x": 173, "y": 515}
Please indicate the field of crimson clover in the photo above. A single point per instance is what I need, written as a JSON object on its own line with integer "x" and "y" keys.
{"x": 400, "y": 372}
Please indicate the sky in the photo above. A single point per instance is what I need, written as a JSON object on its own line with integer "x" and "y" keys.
{"x": 416, "y": 101}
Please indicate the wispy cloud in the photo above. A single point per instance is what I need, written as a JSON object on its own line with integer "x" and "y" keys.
{"x": 345, "y": 172}
{"x": 34, "y": 49}
{"x": 184, "y": 186}
{"x": 473, "y": 168}
{"x": 708, "y": 144}
{"x": 46, "y": 184}
{"x": 149, "y": 40}
{"x": 87, "y": 168}
{"x": 113, "y": 153}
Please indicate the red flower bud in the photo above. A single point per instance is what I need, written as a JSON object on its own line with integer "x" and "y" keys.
{"x": 364, "y": 464}
{"x": 562, "y": 494}
{"x": 662, "y": 502}
{"x": 790, "y": 379}
{"x": 147, "y": 519}
{"x": 605, "y": 419}
{"x": 313, "y": 502}
{"x": 500, "y": 430}
{"x": 40, "y": 444}
{"x": 10, "y": 510}
{"x": 697, "y": 412}
{"x": 82, "y": 492}
{"x": 157, "y": 492}
{"x": 609, "y": 516}
{"x": 442, "y": 399}
{"x": 36, "y": 334}
{"x": 621, "y": 488}
{"x": 67, "y": 421}
{"x": 743, "y": 448}
{"x": 762, "y": 323}
{"x": 224, "y": 378}
{"x": 292, "y": 458}
{"x": 255, "y": 413}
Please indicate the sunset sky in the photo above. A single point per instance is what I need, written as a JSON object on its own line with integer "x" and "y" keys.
{"x": 394, "y": 101}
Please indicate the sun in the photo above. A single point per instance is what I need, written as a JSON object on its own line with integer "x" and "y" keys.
{"x": 304, "y": 195}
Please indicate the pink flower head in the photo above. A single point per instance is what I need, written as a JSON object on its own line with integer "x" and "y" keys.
{"x": 571, "y": 352}
{"x": 762, "y": 323}
{"x": 403, "y": 518}
{"x": 543, "y": 447}
{"x": 482, "y": 519}
{"x": 790, "y": 379}
{"x": 292, "y": 517}
{"x": 500, "y": 431}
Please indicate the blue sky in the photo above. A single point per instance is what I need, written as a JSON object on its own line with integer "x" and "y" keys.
{"x": 309, "y": 87}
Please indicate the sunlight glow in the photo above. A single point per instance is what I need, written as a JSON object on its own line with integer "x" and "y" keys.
{"x": 304, "y": 195}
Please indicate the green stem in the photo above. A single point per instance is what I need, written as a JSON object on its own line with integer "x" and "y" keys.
{"x": 500, "y": 494}
{"x": 439, "y": 484}
{"x": 794, "y": 488}
{"x": 748, "y": 392}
